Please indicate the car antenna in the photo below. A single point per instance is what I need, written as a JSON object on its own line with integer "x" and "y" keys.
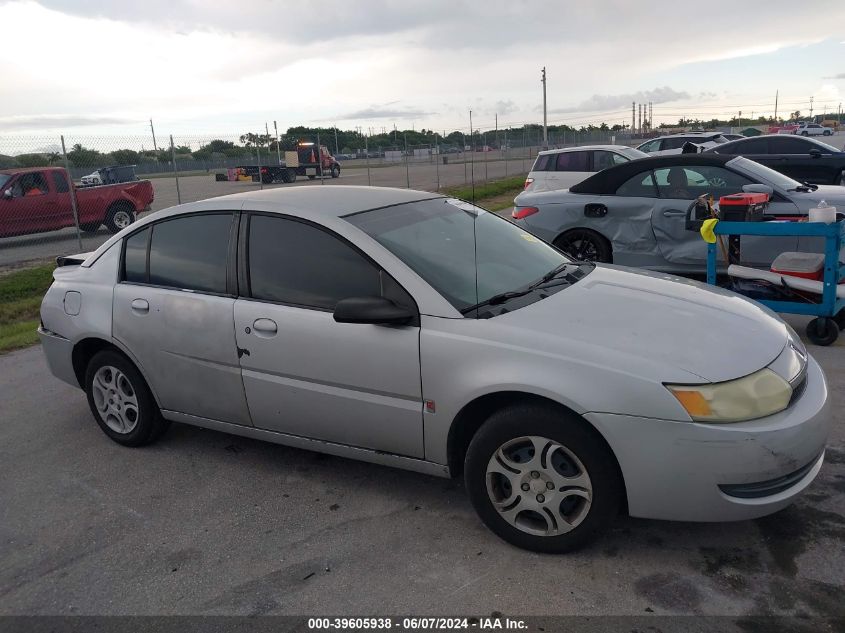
{"x": 472, "y": 160}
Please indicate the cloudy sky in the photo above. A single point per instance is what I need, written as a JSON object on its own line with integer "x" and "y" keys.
{"x": 206, "y": 66}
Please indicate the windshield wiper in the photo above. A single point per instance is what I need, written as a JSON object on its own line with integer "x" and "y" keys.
{"x": 497, "y": 299}
{"x": 551, "y": 275}
{"x": 804, "y": 187}
{"x": 513, "y": 294}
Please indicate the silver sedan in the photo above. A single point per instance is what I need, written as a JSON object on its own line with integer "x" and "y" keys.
{"x": 634, "y": 214}
{"x": 418, "y": 331}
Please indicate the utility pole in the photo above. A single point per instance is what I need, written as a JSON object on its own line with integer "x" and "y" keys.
{"x": 633, "y": 117}
{"x": 278, "y": 142}
{"x": 811, "y": 107}
{"x": 639, "y": 118}
{"x": 336, "y": 150}
{"x": 155, "y": 147}
{"x": 472, "y": 149}
{"x": 650, "y": 115}
{"x": 545, "y": 121}
{"x": 777, "y": 92}
{"x": 740, "y": 118}
{"x": 497, "y": 129}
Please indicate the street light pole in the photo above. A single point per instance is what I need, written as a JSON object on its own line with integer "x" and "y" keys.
{"x": 545, "y": 121}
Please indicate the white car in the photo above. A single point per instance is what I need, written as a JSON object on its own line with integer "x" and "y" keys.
{"x": 93, "y": 178}
{"x": 813, "y": 129}
{"x": 561, "y": 168}
{"x": 674, "y": 143}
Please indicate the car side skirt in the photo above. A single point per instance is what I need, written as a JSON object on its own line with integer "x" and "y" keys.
{"x": 319, "y": 446}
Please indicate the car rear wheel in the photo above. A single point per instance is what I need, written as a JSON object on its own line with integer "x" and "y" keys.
{"x": 827, "y": 132}
{"x": 585, "y": 245}
{"x": 120, "y": 216}
{"x": 121, "y": 401}
{"x": 805, "y": 134}
{"x": 542, "y": 479}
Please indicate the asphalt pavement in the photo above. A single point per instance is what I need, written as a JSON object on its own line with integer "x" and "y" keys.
{"x": 207, "y": 523}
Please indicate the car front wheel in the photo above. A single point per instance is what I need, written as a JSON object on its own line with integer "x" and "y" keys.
{"x": 121, "y": 401}
{"x": 541, "y": 479}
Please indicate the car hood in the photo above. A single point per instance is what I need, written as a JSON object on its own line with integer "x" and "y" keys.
{"x": 654, "y": 325}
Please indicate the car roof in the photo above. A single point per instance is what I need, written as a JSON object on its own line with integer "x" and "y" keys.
{"x": 10, "y": 171}
{"x": 677, "y": 134}
{"x": 583, "y": 147}
{"x": 607, "y": 181}
{"x": 328, "y": 201}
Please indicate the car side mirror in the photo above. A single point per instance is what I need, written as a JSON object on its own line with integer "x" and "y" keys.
{"x": 372, "y": 310}
{"x": 815, "y": 153}
{"x": 7, "y": 194}
{"x": 758, "y": 188}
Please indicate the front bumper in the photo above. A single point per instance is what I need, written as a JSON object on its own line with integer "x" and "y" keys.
{"x": 685, "y": 471}
{"x": 59, "y": 353}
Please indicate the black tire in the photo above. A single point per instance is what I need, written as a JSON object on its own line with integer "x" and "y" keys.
{"x": 585, "y": 245}
{"x": 827, "y": 133}
{"x": 311, "y": 177}
{"x": 149, "y": 425}
{"x": 805, "y": 134}
{"x": 839, "y": 318}
{"x": 289, "y": 176}
{"x": 576, "y": 436}
{"x": 91, "y": 227}
{"x": 120, "y": 215}
{"x": 823, "y": 331}
{"x": 335, "y": 171}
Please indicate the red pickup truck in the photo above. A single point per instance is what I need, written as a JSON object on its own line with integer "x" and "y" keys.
{"x": 38, "y": 199}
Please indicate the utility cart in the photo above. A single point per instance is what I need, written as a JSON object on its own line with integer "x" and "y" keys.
{"x": 830, "y": 317}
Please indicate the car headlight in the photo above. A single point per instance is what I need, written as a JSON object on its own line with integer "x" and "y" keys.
{"x": 754, "y": 396}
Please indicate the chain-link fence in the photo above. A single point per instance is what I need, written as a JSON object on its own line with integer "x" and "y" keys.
{"x": 67, "y": 194}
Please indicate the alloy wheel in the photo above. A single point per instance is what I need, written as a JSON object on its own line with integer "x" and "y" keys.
{"x": 115, "y": 399}
{"x": 539, "y": 486}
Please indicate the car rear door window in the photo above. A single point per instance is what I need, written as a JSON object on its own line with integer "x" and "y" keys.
{"x": 687, "y": 183}
{"x": 603, "y": 159}
{"x": 573, "y": 161}
{"x": 296, "y": 263}
{"x": 748, "y": 146}
{"x": 789, "y": 145}
{"x": 651, "y": 146}
{"x": 675, "y": 143}
{"x": 60, "y": 182}
{"x": 135, "y": 257}
{"x": 190, "y": 253}
{"x": 639, "y": 186}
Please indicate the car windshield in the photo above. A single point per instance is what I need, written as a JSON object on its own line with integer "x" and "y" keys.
{"x": 763, "y": 173}
{"x": 4, "y": 178}
{"x": 465, "y": 253}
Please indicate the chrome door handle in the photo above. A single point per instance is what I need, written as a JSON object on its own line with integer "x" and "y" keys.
{"x": 265, "y": 327}
{"x": 673, "y": 213}
{"x": 140, "y": 306}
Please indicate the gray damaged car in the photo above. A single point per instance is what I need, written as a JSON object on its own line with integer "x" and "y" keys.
{"x": 413, "y": 330}
{"x": 635, "y": 214}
